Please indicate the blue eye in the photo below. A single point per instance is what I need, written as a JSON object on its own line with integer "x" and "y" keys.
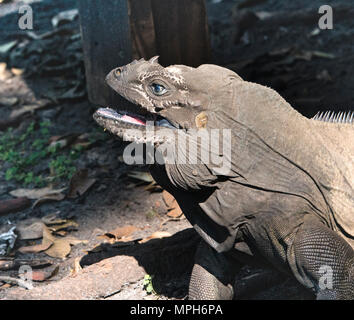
{"x": 158, "y": 89}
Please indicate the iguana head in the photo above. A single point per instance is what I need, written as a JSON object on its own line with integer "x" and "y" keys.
{"x": 176, "y": 97}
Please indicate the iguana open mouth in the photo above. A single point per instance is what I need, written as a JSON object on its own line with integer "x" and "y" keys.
{"x": 135, "y": 120}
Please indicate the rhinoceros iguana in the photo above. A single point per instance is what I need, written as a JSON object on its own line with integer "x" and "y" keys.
{"x": 281, "y": 183}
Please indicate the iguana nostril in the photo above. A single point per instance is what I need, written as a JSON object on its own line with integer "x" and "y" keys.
{"x": 158, "y": 109}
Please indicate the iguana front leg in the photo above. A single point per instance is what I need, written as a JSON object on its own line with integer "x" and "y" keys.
{"x": 212, "y": 275}
{"x": 323, "y": 261}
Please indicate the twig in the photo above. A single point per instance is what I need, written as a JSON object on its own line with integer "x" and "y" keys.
{"x": 19, "y": 282}
{"x": 171, "y": 219}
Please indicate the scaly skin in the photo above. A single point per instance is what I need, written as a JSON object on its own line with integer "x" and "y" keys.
{"x": 287, "y": 193}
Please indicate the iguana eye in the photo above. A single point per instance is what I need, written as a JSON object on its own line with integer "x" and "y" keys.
{"x": 117, "y": 72}
{"x": 158, "y": 89}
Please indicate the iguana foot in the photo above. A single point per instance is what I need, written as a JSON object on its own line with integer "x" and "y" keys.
{"x": 323, "y": 261}
{"x": 211, "y": 277}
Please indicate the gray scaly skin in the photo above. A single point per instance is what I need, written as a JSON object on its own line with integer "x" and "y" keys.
{"x": 289, "y": 193}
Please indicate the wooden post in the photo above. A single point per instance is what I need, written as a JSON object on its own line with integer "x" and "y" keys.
{"x": 181, "y": 29}
{"x": 114, "y": 32}
{"x": 105, "y": 29}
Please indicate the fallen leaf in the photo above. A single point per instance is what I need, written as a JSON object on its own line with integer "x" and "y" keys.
{"x": 153, "y": 187}
{"x": 47, "y": 235}
{"x": 17, "y": 71}
{"x": 7, "y": 47}
{"x": 141, "y": 175}
{"x": 168, "y": 199}
{"x": 30, "y": 108}
{"x": 51, "y": 197}
{"x": 77, "y": 267}
{"x": 60, "y": 249}
{"x": 47, "y": 241}
{"x": 61, "y": 246}
{"x": 36, "y": 248}
{"x": 121, "y": 232}
{"x": 61, "y": 233}
{"x": 4, "y": 72}
{"x": 8, "y": 101}
{"x": 80, "y": 183}
{"x": 67, "y": 224}
{"x": 156, "y": 235}
{"x": 30, "y": 229}
{"x": 40, "y": 275}
{"x": 52, "y": 218}
{"x": 174, "y": 211}
{"x": 35, "y": 193}
{"x": 63, "y": 140}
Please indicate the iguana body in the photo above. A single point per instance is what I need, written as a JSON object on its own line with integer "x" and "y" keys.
{"x": 289, "y": 190}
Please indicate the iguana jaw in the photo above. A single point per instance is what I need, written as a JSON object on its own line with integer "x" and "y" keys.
{"x": 133, "y": 127}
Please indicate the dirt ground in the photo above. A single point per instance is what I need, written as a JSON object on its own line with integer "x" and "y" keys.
{"x": 283, "y": 49}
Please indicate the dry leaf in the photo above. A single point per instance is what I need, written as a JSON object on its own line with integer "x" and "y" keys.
{"x": 153, "y": 187}
{"x": 52, "y": 218}
{"x": 80, "y": 183}
{"x": 141, "y": 175}
{"x": 36, "y": 248}
{"x": 35, "y": 193}
{"x": 156, "y": 235}
{"x": 39, "y": 275}
{"x": 175, "y": 212}
{"x": 47, "y": 235}
{"x": 30, "y": 229}
{"x": 120, "y": 233}
{"x": 51, "y": 197}
{"x": 4, "y": 73}
{"x": 17, "y": 71}
{"x": 61, "y": 246}
{"x": 63, "y": 140}
{"x": 24, "y": 109}
{"x": 67, "y": 224}
{"x": 77, "y": 267}
{"x": 47, "y": 242}
{"x": 61, "y": 233}
{"x": 172, "y": 205}
{"x": 74, "y": 241}
{"x": 8, "y": 101}
{"x": 169, "y": 199}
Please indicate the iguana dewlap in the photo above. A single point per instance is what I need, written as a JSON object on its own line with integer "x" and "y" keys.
{"x": 287, "y": 189}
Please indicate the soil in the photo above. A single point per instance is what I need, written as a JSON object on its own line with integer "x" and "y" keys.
{"x": 277, "y": 54}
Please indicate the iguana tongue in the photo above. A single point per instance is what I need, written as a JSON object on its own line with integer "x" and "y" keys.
{"x": 133, "y": 120}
